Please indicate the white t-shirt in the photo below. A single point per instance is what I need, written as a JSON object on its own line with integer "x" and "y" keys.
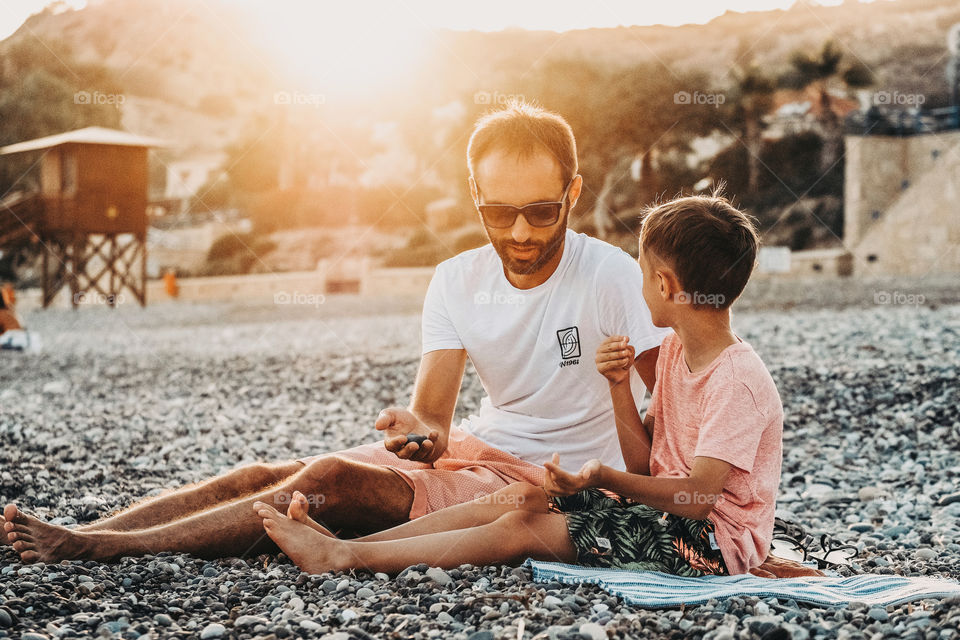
{"x": 534, "y": 349}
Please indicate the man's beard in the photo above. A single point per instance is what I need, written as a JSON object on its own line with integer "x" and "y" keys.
{"x": 545, "y": 251}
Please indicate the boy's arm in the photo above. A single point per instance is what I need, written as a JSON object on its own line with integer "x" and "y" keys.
{"x": 691, "y": 497}
{"x": 614, "y": 359}
{"x": 646, "y": 366}
{"x": 635, "y": 439}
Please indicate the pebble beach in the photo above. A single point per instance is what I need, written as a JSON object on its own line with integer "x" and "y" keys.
{"x": 127, "y": 403}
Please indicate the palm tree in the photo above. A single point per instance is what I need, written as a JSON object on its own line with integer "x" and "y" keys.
{"x": 820, "y": 70}
{"x": 751, "y": 100}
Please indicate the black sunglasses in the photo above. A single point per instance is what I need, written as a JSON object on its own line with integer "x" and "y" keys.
{"x": 537, "y": 214}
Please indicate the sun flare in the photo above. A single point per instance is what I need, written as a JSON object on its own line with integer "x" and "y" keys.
{"x": 343, "y": 47}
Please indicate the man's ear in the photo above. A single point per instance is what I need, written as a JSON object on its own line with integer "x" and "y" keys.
{"x": 474, "y": 193}
{"x": 575, "y": 190}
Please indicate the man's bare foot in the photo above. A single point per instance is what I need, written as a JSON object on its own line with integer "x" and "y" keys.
{"x": 3, "y": 533}
{"x": 38, "y": 541}
{"x": 310, "y": 550}
{"x": 299, "y": 511}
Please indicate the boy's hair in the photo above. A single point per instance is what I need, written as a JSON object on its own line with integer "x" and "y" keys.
{"x": 709, "y": 243}
{"x": 524, "y": 129}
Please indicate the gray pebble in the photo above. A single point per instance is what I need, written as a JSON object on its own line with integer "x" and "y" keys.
{"x": 329, "y": 586}
{"x": 163, "y": 620}
{"x": 213, "y": 630}
{"x": 439, "y": 576}
{"x": 249, "y": 621}
{"x": 310, "y": 625}
{"x": 594, "y": 631}
{"x": 879, "y": 614}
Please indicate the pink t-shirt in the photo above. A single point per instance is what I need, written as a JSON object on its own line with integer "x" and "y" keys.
{"x": 731, "y": 411}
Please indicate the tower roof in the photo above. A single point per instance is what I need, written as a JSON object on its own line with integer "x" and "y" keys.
{"x": 88, "y": 135}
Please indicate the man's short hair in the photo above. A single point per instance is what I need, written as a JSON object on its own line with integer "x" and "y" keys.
{"x": 524, "y": 129}
{"x": 710, "y": 244}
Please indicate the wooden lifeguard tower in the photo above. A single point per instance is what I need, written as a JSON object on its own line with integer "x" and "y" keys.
{"x": 90, "y": 213}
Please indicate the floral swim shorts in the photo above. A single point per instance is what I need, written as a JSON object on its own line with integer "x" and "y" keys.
{"x": 611, "y": 531}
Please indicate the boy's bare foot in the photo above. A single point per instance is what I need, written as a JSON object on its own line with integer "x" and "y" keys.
{"x": 39, "y": 541}
{"x": 3, "y": 533}
{"x": 298, "y": 510}
{"x": 309, "y": 549}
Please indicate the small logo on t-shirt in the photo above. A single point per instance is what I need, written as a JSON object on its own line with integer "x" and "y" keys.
{"x": 569, "y": 345}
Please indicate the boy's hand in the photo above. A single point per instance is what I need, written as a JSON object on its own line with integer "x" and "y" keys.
{"x": 558, "y": 482}
{"x": 614, "y": 359}
{"x": 397, "y": 423}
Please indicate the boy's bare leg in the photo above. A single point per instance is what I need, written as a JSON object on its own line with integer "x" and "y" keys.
{"x": 516, "y": 497}
{"x": 508, "y": 539}
{"x": 344, "y": 493}
{"x": 190, "y": 499}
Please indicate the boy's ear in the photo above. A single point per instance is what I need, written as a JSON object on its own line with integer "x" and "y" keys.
{"x": 669, "y": 283}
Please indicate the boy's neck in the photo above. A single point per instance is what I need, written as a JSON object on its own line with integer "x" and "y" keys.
{"x": 704, "y": 335}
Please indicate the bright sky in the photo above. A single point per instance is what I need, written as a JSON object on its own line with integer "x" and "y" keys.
{"x": 490, "y": 15}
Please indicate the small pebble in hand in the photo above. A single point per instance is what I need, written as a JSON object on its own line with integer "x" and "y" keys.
{"x": 414, "y": 437}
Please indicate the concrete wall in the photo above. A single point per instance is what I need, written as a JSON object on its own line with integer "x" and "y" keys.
{"x": 301, "y": 287}
{"x": 901, "y": 209}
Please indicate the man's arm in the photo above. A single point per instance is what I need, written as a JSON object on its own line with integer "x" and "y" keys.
{"x": 431, "y": 408}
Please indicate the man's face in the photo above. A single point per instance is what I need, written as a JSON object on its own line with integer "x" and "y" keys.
{"x": 505, "y": 178}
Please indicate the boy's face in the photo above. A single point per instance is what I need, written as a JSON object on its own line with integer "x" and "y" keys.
{"x": 652, "y": 289}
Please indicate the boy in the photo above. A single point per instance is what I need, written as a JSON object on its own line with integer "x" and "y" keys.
{"x": 703, "y": 467}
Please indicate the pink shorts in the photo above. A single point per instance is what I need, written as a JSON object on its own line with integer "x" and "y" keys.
{"x": 467, "y": 470}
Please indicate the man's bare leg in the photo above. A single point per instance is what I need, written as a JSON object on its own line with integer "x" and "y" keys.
{"x": 508, "y": 539}
{"x": 343, "y": 493}
{"x": 190, "y": 499}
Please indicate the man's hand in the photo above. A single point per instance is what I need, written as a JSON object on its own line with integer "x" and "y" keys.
{"x": 396, "y": 423}
{"x": 614, "y": 359}
{"x": 558, "y": 482}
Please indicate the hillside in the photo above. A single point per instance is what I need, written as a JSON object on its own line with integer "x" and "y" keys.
{"x": 189, "y": 71}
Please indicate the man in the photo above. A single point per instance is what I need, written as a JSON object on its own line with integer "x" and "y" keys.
{"x": 529, "y": 310}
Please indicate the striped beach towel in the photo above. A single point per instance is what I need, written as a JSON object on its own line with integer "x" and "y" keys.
{"x": 653, "y": 589}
